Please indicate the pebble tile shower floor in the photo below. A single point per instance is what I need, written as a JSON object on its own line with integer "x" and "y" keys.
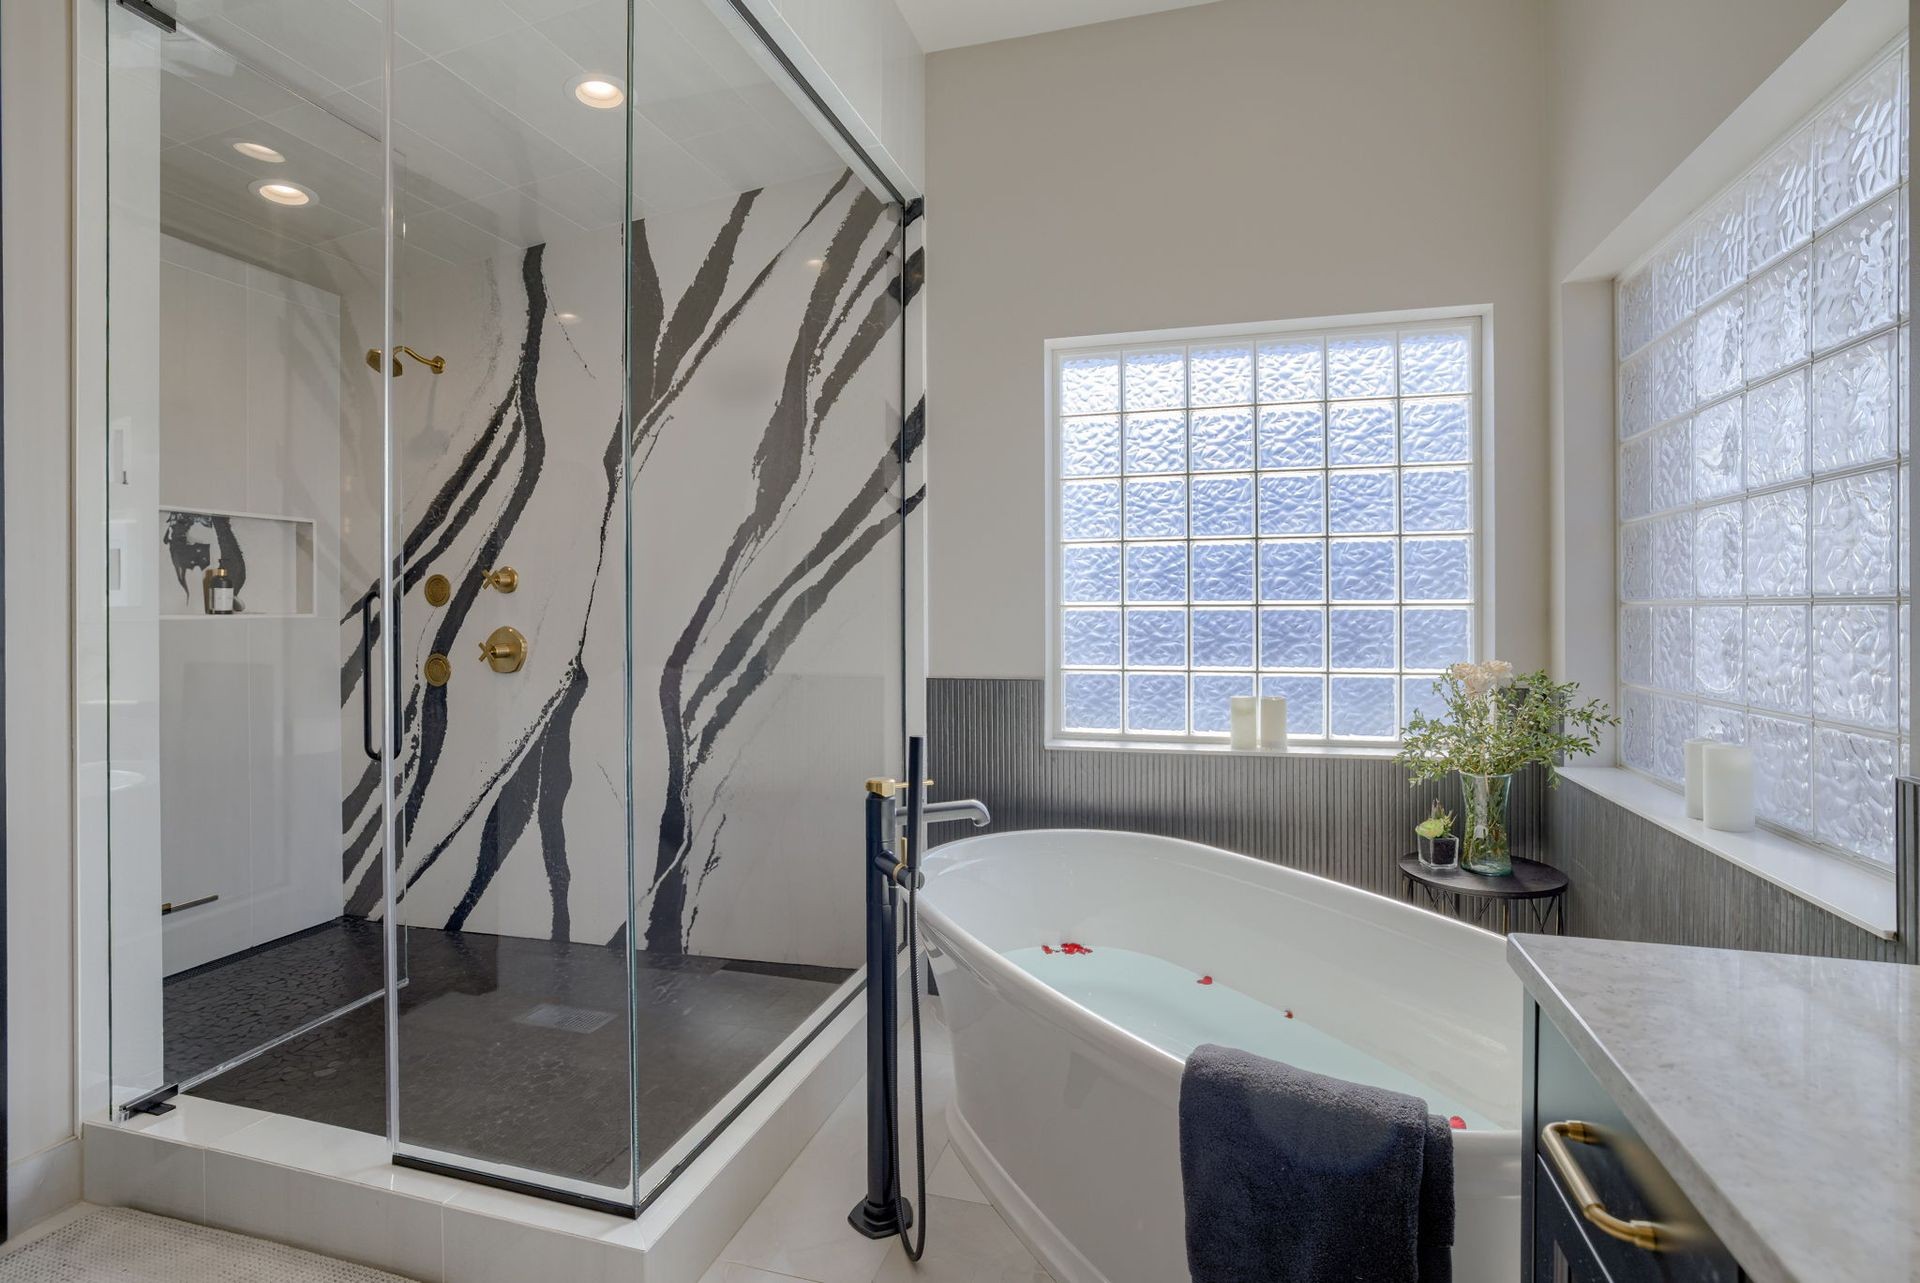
{"x": 512, "y": 1050}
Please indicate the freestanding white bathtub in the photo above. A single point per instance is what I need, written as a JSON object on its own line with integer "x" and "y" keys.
{"x": 1067, "y": 1064}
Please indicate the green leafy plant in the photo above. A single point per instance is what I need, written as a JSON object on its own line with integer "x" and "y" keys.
{"x": 1496, "y": 723}
{"x": 1436, "y": 825}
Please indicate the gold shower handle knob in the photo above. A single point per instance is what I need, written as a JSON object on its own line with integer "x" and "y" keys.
{"x": 504, "y": 650}
{"x": 505, "y": 579}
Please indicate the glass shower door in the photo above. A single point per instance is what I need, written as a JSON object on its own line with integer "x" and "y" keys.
{"x": 507, "y": 497}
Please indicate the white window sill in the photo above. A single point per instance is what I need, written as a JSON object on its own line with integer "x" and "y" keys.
{"x": 1221, "y": 748}
{"x": 1862, "y": 894}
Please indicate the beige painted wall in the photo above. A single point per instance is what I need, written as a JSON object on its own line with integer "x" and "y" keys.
{"x": 43, "y": 1167}
{"x": 1654, "y": 108}
{"x": 1638, "y": 85}
{"x": 1239, "y": 162}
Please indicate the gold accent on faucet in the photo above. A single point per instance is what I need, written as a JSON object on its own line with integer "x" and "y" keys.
{"x": 438, "y": 590}
{"x": 438, "y": 670}
{"x": 437, "y": 364}
{"x": 504, "y": 650}
{"x": 505, "y": 579}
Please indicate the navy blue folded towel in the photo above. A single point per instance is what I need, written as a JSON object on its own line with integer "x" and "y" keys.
{"x": 1295, "y": 1177}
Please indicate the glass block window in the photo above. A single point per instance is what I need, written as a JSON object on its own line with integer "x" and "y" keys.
{"x": 1763, "y": 479}
{"x": 1279, "y": 513}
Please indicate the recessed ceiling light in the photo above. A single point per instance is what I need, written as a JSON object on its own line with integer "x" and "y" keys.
{"x": 282, "y": 193}
{"x": 596, "y": 89}
{"x": 259, "y": 151}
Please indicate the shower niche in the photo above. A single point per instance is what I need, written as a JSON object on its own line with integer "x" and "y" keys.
{"x": 550, "y": 927}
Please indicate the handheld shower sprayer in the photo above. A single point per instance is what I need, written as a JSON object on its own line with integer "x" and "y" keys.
{"x": 885, "y": 1211}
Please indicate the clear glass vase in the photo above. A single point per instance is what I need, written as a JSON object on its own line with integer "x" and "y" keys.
{"x": 1484, "y": 835}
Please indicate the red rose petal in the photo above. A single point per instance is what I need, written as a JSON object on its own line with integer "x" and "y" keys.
{"x": 1288, "y": 1013}
{"x": 1046, "y": 948}
{"x": 1206, "y": 980}
{"x": 1457, "y": 1123}
{"x": 1071, "y": 947}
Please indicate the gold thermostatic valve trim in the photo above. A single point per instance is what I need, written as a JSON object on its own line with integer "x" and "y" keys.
{"x": 438, "y": 590}
{"x": 504, "y": 650}
{"x": 505, "y": 579}
{"x": 437, "y": 670}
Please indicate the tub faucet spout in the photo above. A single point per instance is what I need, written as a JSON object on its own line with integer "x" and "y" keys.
{"x": 966, "y": 808}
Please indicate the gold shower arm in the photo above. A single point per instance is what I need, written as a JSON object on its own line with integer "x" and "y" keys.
{"x": 437, "y": 364}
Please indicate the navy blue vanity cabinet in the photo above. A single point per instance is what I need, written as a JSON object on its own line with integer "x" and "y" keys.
{"x": 1643, "y": 1230}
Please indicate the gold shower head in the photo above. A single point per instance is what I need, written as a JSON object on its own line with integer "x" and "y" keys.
{"x": 437, "y": 364}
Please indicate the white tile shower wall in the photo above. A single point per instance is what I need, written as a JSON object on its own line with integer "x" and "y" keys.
{"x": 766, "y": 561}
{"x": 250, "y": 422}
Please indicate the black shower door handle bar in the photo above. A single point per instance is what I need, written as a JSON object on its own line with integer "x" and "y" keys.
{"x": 366, "y": 673}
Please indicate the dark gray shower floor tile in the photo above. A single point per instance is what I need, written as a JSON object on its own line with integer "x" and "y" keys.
{"x": 478, "y": 1079}
{"x": 228, "y": 1007}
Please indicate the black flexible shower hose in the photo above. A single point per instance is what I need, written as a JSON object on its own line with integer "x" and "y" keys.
{"x": 915, "y": 1247}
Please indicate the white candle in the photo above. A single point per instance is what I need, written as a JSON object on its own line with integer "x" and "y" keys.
{"x": 1273, "y": 722}
{"x": 1245, "y": 714}
{"x": 1694, "y": 749}
{"x": 1726, "y": 787}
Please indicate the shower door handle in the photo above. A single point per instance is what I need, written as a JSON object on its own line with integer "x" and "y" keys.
{"x": 366, "y": 673}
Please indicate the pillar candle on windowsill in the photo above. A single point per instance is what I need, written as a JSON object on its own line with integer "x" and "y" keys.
{"x": 1694, "y": 750}
{"x": 1726, "y": 787}
{"x": 1273, "y": 722}
{"x": 1243, "y": 717}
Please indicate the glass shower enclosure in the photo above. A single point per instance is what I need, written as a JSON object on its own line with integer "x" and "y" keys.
{"x": 502, "y": 501}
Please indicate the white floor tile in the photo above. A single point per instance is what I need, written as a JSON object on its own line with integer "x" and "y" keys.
{"x": 950, "y": 1179}
{"x": 966, "y": 1243}
{"x": 125, "y": 1169}
{"x": 733, "y": 1272}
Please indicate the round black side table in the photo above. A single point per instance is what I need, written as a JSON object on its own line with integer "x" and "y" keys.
{"x": 1539, "y": 890}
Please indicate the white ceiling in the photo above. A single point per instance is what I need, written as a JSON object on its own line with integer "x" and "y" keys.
{"x": 948, "y": 24}
{"x": 492, "y": 152}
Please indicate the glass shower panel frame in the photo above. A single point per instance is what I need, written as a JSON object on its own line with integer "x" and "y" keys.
{"x": 512, "y": 1048}
{"x": 777, "y": 645}
{"x": 221, "y": 446}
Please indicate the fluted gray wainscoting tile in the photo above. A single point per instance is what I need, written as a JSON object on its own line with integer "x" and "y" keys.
{"x": 1346, "y": 818}
{"x": 1351, "y": 818}
{"x": 1633, "y": 880}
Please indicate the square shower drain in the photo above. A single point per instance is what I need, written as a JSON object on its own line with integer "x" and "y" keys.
{"x": 575, "y": 1020}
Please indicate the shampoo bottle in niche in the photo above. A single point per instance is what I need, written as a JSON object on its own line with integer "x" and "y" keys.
{"x": 218, "y": 588}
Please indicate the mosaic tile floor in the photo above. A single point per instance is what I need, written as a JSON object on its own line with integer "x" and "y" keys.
{"x": 511, "y": 1050}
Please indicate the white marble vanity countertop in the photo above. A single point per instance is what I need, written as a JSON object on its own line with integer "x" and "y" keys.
{"x": 1781, "y": 1092}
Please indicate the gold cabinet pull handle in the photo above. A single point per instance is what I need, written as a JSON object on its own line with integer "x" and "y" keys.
{"x": 1554, "y": 1138}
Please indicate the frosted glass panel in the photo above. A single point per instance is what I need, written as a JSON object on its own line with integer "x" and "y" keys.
{"x": 1760, "y": 477}
{"x": 1360, "y": 365}
{"x": 1223, "y": 637}
{"x": 1221, "y": 375}
{"x": 1222, "y": 506}
{"x": 1090, "y": 638}
{"x": 1221, "y": 440}
{"x": 1090, "y": 447}
{"x": 1290, "y": 370}
{"x": 1294, "y": 514}
{"x": 1293, "y": 503}
{"x": 1293, "y": 436}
